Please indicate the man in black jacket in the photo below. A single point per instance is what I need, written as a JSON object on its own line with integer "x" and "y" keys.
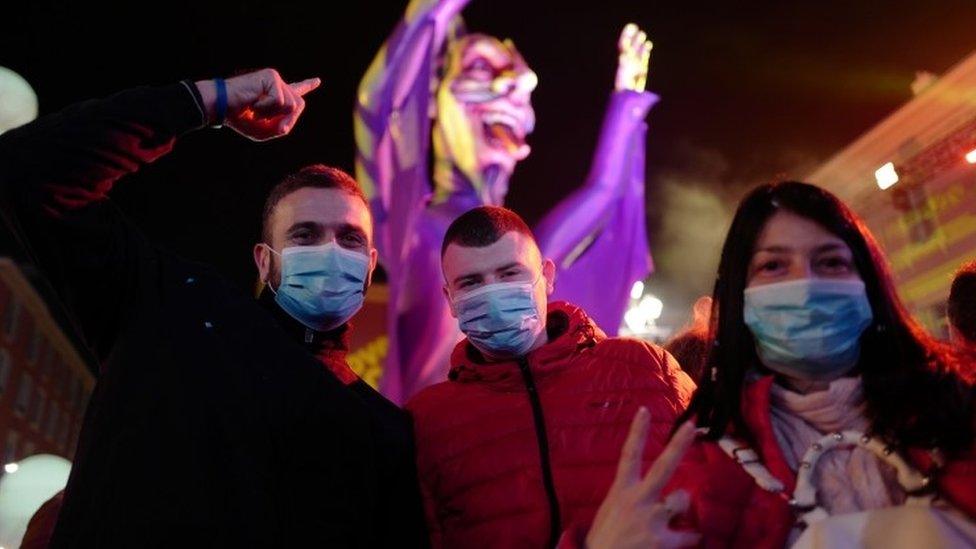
{"x": 210, "y": 424}
{"x": 317, "y": 239}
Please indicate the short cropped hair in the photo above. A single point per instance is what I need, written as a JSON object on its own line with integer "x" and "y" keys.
{"x": 961, "y": 307}
{"x": 483, "y": 226}
{"x": 318, "y": 176}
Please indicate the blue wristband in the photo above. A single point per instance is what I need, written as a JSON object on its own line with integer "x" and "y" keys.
{"x": 221, "y": 108}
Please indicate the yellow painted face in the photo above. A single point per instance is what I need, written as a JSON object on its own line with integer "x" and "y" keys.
{"x": 484, "y": 108}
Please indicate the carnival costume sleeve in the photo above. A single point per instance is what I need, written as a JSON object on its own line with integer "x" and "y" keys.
{"x": 392, "y": 123}
{"x": 392, "y": 126}
{"x": 597, "y": 235}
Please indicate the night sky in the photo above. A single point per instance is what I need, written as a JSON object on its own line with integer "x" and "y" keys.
{"x": 751, "y": 91}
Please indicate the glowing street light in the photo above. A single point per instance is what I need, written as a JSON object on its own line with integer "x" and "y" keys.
{"x": 637, "y": 290}
{"x": 37, "y": 478}
{"x": 652, "y": 307}
{"x": 886, "y": 176}
{"x": 19, "y": 104}
{"x": 635, "y": 321}
{"x": 971, "y": 156}
{"x": 640, "y": 318}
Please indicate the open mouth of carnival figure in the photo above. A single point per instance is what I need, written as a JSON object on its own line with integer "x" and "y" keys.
{"x": 505, "y": 131}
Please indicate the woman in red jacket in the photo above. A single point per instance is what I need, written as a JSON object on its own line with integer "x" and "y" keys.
{"x": 816, "y": 368}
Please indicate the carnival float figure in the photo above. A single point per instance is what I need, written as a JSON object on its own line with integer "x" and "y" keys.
{"x": 469, "y": 96}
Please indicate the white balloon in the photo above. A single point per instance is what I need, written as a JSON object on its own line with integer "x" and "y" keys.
{"x": 18, "y": 102}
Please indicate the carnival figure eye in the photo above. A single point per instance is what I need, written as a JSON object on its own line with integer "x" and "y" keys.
{"x": 480, "y": 68}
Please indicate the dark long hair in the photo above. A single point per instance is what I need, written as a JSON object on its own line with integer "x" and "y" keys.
{"x": 913, "y": 391}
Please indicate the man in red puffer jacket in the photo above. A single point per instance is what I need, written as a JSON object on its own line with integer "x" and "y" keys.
{"x": 523, "y": 440}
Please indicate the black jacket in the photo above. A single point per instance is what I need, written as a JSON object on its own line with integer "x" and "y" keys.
{"x": 209, "y": 425}
{"x": 399, "y": 515}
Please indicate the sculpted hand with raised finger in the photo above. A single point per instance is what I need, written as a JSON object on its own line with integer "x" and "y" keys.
{"x": 635, "y": 55}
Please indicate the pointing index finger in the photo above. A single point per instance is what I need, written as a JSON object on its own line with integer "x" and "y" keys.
{"x": 305, "y": 86}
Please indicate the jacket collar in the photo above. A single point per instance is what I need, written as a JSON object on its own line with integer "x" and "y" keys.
{"x": 570, "y": 332}
{"x": 330, "y": 348}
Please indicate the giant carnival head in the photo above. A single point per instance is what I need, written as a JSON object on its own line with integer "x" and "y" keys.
{"x": 484, "y": 113}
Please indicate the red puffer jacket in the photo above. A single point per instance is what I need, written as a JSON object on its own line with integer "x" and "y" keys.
{"x": 510, "y": 453}
{"x": 730, "y": 510}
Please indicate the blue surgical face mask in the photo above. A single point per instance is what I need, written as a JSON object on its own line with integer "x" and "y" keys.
{"x": 501, "y": 319}
{"x": 808, "y": 329}
{"x": 322, "y": 286}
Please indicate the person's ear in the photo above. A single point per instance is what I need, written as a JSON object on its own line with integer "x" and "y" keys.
{"x": 702, "y": 310}
{"x": 373, "y": 260}
{"x": 549, "y": 272}
{"x": 450, "y": 303}
{"x": 262, "y": 260}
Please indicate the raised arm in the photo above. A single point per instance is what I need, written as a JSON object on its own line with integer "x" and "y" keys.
{"x": 596, "y": 236}
{"x": 392, "y": 120}
{"x": 56, "y": 173}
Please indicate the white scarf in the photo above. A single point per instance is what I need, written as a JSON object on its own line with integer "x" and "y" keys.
{"x": 847, "y": 479}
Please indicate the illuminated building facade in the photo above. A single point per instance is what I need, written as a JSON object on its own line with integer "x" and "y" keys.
{"x": 913, "y": 179}
{"x": 44, "y": 383}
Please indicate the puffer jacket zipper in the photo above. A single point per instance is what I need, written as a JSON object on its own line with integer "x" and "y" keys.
{"x": 555, "y": 526}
